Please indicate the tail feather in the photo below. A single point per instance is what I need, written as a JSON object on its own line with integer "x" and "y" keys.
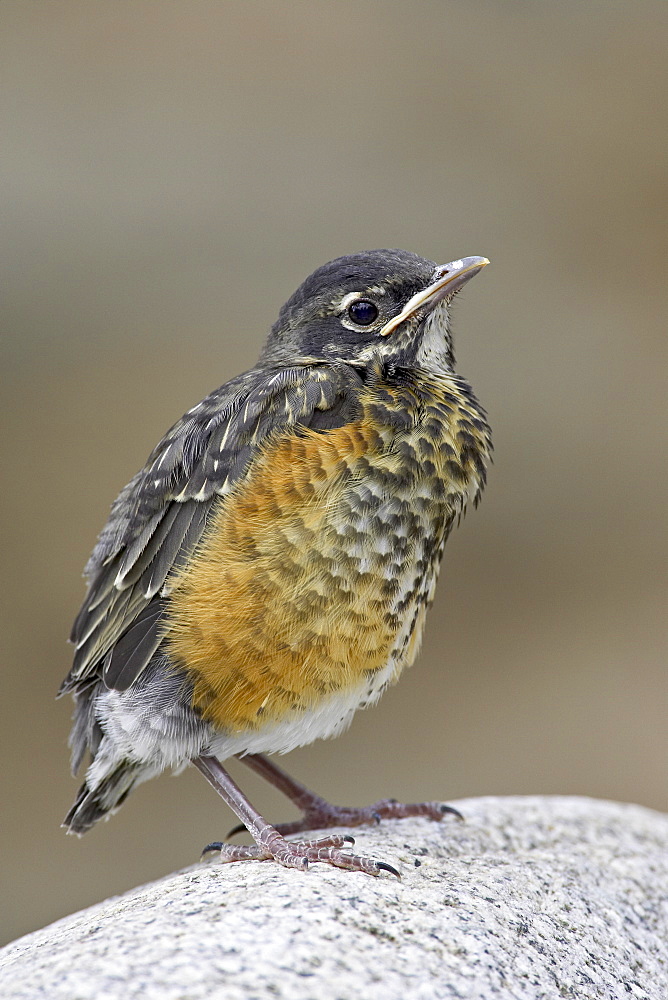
{"x": 101, "y": 800}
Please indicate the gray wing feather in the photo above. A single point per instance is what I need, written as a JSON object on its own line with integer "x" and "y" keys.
{"x": 144, "y": 542}
{"x": 165, "y": 541}
{"x": 135, "y": 648}
{"x": 159, "y": 517}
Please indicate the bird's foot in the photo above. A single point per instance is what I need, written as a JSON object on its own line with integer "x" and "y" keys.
{"x": 300, "y": 853}
{"x": 321, "y": 815}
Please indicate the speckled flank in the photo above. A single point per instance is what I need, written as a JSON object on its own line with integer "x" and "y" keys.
{"x": 315, "y": 571}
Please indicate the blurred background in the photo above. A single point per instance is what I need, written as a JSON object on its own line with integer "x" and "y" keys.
{"x": 171, "y": 172}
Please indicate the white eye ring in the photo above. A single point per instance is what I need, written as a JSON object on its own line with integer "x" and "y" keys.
{"x": 346, "y": 302}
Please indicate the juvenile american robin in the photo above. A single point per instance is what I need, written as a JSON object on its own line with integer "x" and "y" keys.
{"x": 269, "y": 570}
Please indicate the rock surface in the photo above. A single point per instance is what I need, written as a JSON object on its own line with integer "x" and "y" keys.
{"x": 529, "y": 898}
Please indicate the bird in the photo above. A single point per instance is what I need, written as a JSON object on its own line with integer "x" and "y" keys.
{"x": 268, "y": 572}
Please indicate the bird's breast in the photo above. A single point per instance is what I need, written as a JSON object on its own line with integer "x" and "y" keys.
{"x": 312, "y": 579}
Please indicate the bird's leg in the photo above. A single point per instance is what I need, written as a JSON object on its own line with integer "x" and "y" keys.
{"x": 320, "y": 814}
{"x": 269, "y": 843}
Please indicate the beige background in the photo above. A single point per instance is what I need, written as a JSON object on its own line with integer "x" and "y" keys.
{"x": 171, "y": 172}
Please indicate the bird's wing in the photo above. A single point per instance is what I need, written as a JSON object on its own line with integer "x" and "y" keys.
{"x": 158, "y": 519}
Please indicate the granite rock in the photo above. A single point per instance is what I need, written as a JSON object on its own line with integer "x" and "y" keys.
{"x": 530, "y": 898}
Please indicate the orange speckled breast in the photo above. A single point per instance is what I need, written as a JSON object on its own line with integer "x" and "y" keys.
{"x": 315, "y": 570}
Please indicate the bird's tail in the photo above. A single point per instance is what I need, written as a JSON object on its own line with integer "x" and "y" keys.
{"x": 98, "y": 801}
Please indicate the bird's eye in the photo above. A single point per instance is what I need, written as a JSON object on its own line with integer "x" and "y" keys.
{"x": 363, "y": 312}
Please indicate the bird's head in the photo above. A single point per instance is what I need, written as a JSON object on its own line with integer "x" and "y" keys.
{"x": 390, "y": 304}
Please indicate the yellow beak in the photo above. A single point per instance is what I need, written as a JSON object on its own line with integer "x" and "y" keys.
{"x": 449, "y": 278}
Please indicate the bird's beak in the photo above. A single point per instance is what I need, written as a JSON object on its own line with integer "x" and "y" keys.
{"x": 448, "y": 279}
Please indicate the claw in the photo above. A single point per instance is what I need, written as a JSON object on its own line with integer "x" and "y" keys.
{"x": 212, "y": 848}
{"x": 240, "y": 828}
{"x": 452, "y": 811}
{"x": 382, "y": 866}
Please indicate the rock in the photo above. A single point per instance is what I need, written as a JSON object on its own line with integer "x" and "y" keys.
{"x": 529, "y": 898}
